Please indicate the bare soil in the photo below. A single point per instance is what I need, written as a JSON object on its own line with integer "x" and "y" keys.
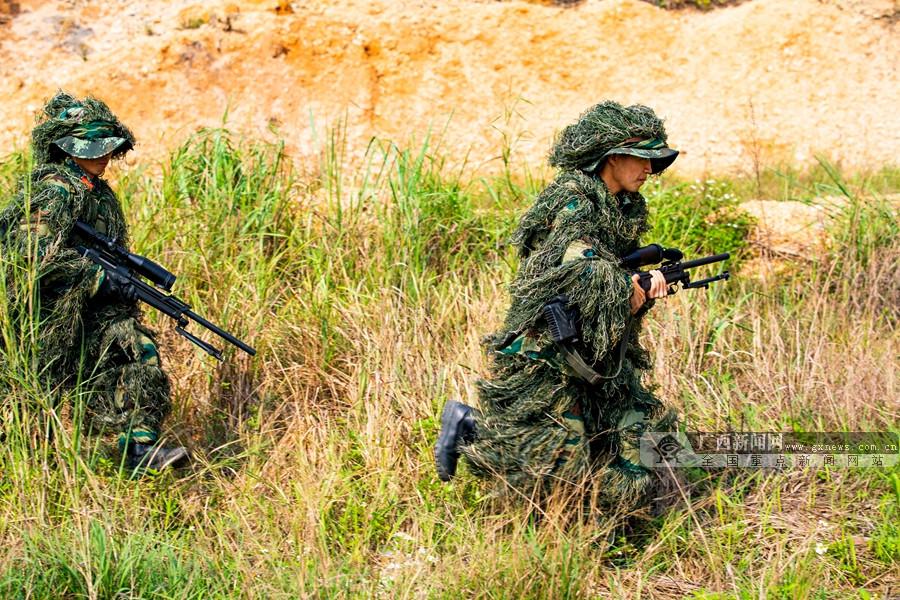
{"x": 763, "y": 82}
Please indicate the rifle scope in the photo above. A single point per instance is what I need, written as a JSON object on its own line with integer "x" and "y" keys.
{"x": 650, "y": 255}
{"x": 156, "y": 273}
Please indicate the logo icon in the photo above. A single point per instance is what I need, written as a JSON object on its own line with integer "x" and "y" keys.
{"x": 667, "y": 450}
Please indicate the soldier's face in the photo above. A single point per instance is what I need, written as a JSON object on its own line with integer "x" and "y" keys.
{"x": 93, "y": 166}
{"x": 630, "y": 171}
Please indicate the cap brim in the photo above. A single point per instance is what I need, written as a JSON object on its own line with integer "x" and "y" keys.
{"x": 660, "y": 158}
{"x": 90, "y": 149}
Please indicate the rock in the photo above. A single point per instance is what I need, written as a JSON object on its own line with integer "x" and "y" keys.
{"x": 787, "y": 228}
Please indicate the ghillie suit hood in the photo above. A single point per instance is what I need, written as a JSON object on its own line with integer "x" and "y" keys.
{"x": 610, "y": 128}
{"x": 82, "y": 128}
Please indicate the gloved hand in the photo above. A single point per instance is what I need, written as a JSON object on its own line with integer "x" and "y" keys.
{"x": 114, "y": 285}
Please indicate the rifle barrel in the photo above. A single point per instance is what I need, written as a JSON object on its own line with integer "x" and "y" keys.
{"x": 706, "y": 260}
{"x": 220, "y": 332}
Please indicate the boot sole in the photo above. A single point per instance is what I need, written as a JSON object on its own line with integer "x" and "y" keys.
{"x": 444, "y": 439}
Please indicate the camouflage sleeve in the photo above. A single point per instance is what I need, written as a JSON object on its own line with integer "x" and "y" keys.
{"x": 583, "y": 269}
{"x": 43, "y": 231}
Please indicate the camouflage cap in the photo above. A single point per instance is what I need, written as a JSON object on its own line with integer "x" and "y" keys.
{"x": 83, "y": 128}
{"x": 610, "y": 128}
{"x": 92, "y": 140}
{"x": 660, "y": 155}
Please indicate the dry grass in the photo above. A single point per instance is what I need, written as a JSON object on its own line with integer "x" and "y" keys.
{"x": 366, "y": 296}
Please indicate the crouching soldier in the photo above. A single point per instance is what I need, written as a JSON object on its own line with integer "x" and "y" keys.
{"x": 550, "y": 417}
{"x": 90, "y": 327}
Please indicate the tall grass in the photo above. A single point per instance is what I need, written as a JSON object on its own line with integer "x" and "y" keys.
{"x": 366, "y": 287}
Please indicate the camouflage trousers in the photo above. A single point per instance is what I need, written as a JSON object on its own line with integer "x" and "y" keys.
{"x": 127, "y": 388}
{"x": 625, "y": 437}
{"x": 540, "y": 429}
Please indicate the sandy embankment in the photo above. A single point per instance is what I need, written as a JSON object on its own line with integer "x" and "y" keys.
{"x": 764, "y": 81}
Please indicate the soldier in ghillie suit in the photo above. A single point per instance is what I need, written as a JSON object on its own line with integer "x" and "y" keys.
{"x": 542, "y": 423}
{"x": 90, "y": 326}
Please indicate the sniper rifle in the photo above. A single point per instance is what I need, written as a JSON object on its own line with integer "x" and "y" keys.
{"x": 673, "y": 268}
{"x": 125, "y": 265}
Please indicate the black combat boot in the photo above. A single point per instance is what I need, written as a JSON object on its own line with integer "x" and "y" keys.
{"x": 141, "y": 457}
{"x": 457, "y": 427}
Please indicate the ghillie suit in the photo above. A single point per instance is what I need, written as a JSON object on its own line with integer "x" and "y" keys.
{"x": 541, "y": 425}
{"x": 84, "y": 332}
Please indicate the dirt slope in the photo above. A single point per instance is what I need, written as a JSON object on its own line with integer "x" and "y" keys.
{"x": 767, "y": 80}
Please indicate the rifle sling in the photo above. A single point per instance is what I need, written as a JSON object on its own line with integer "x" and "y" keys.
{"x": 584, "y": 370}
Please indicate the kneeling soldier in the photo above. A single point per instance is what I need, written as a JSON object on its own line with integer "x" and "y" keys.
{"x": 543, "y": 421}
{"x": 90, "y": 322}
